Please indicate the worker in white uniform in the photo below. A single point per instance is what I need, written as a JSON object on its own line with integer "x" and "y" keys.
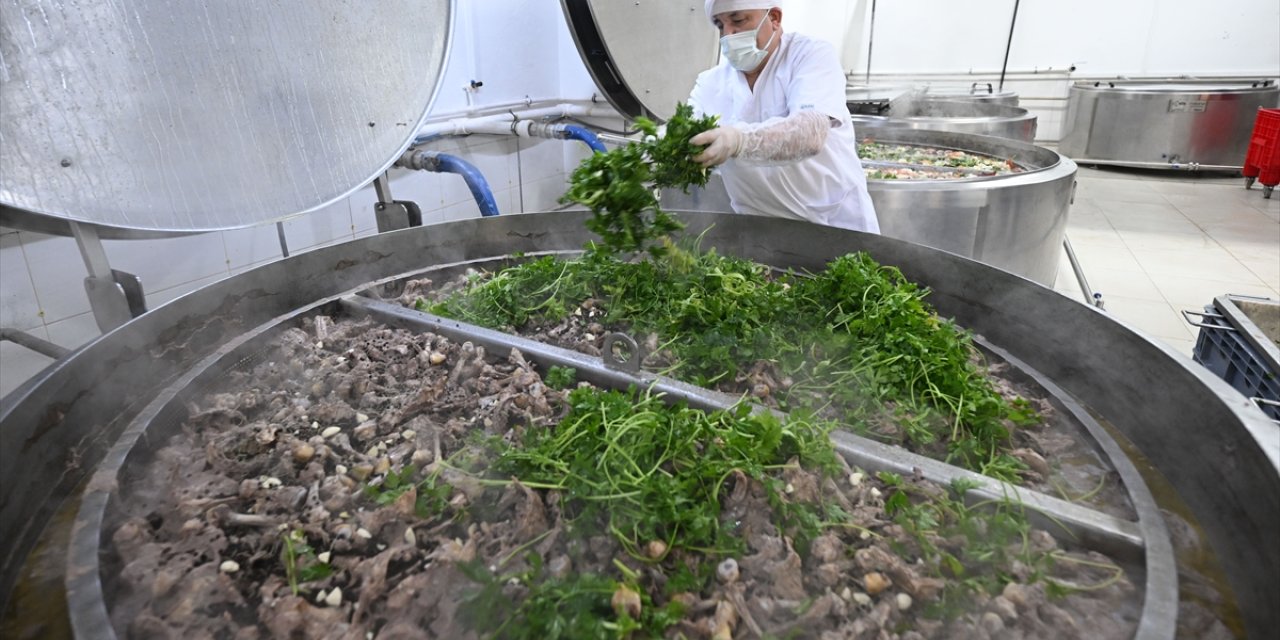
{"x": 784, "y": 141}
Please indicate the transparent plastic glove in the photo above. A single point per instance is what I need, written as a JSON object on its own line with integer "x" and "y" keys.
{"x": 774, "y": 141}
{"x": 723, "y": 143}
{"x": 783, "y": 140}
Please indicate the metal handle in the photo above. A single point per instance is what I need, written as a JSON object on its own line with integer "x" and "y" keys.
{"x": 1259, "y": 402}
{"x": 1186, "y": 315}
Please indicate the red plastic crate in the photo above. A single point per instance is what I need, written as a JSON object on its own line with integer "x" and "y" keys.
{"x": 1263, "y": 159}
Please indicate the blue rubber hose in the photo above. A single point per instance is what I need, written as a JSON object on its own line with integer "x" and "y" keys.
{"x": 575, "y": 132}
{"x": 475, "y": 181}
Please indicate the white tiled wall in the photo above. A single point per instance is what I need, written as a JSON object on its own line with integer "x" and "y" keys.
{"x": 41, "y": 276}
{"x": 1099, "y": 37}
{"x": 516, "y": 54}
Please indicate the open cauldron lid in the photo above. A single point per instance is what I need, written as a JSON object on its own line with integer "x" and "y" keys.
{"x": 644, "y": 54}
{"x": 180, "y": 117}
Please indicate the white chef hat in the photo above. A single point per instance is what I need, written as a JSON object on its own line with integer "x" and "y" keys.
{"x": 724, "y": 6}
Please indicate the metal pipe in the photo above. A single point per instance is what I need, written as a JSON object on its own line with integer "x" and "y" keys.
{"x": 871, "y": 39}
{"x": 1181, "y": 166}
{"x": 38, "y": 345}
{"x": 503, "y": 107}
{"x": 437, "y": 162}
{"x": 1008, "y": 45}
{"x": 1090, "y": 296}
{"x": 993, "y": 74}
{"x": 615, "y": 139}
{"x": 503, "y": 123}
{"x": 284, "y": 243}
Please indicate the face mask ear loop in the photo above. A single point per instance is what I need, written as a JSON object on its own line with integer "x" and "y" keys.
{"x": 771, "y": 37}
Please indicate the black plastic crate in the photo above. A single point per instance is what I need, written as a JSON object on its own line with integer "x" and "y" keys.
{"x": 1224, "y": 350}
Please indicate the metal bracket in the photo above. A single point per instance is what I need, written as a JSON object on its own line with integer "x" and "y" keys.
{"x": 392, "y": 214}
{"x": 400, "y": 214}
{"x": 115, "y": 296}
{"x": 620, "y": 351}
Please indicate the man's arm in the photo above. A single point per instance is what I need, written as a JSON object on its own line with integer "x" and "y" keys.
{"x": 774, "y": 141}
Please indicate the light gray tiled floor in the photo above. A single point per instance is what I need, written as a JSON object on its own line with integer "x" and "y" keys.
{"x": 1154, "y": 244}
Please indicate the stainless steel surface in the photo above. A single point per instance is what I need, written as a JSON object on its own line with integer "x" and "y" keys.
{"x": 204, "y": 115}
{"x": 981, "y": 118}
{"x": 1146, "y": 542}
{"x": 15, "y": 218}
{"x": 56, "y": 426}
{"x": 1014, "y": 222}
{"x": 1158, "y": 123}
{"x": 645, "y": 54}
{"x": 875, "y": 93}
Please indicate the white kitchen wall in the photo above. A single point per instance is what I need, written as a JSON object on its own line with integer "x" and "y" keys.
{"x": 1099, "y": 37}
{"x": 518, "y": 49}
{"x": 945, "y": 43}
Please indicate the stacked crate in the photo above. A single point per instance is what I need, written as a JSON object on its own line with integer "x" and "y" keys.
{"x": 1262, "y": 163}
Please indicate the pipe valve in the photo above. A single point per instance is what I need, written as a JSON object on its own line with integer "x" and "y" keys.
{"x": 420, "y": 160}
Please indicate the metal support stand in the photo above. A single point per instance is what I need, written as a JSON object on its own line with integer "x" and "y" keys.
{"x": 871, "y": 40}
{"x": 38, "y": 345}
{"x": 1008, "y": 45}
{"x": 393, "y": 214}
{"x": 115, "y": 297}
{"x": 284, "y": 243}
{"x": 1090, "y": 296}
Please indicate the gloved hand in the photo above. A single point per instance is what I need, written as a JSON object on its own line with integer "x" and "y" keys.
{"x": 725, "y": 143}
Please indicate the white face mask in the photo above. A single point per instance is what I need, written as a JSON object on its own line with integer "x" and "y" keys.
{"x": 741, "y": 51}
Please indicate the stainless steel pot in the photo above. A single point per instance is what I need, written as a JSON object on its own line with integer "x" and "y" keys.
{"x": 979, "y": 118}
{"x": 1164, "y": 124}
{"x": 1218, "y": 451}
{"x": 1014, "y": 222}
{"x": 983, "y": 92}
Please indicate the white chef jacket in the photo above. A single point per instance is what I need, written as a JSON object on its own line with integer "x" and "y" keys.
{"x": 829, "y": 188}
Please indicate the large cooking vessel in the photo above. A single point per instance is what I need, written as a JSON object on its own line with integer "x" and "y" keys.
{"x": 56, "y": 427}
{"x": 864, "y": 99}
{"x": 1014, "y": 222}
{"x": 1164, "y": 124}
{"x": 984, "y": 92}
{"x": 981, "y": 118}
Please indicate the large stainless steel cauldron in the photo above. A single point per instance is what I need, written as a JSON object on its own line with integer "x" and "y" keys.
{"x": 1169, "y": 124}
{"x": 960, "y": 116}
{"x": 1217, "y": 450}
{"x": 1014, "y": 222}
{"x": 984, "y": 92}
